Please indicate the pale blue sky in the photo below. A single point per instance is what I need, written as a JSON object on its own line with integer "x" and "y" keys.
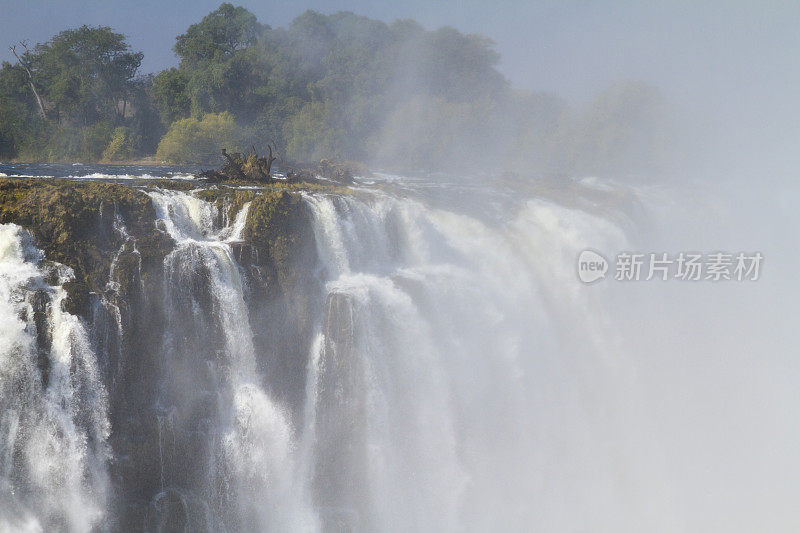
{"x": 731, "y": 68}
{"x": 570, "y": 47}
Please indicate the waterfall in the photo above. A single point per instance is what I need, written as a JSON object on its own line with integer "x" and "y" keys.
{"x": 458, "y": 377}
{"x": 453, "y": 367}
{"x": 243, "y": 463}
{"x": 111, "y": 313}
{"x": 53, "y": 408}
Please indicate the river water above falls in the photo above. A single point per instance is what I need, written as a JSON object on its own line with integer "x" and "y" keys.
{"x": 436, "y": 366}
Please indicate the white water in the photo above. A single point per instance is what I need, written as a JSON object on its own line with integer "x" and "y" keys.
{"x": 52, "y": 435}
{"x": 251, "y": 474}
{"x": 443, "y": 391}
{"x": 461, "y": 378}
{"x": 490, "y": 398}
{"x": 105, "y": 177}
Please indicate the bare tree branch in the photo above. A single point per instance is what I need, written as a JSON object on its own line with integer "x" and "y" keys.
{"x": 13, "y": 49}
{"x": 270, "y": 158}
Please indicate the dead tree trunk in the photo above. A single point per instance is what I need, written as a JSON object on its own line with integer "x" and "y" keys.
{"x": 30, "y": 77}
{"x": 259, "y": 164}
{"x": 270, "y": 159}
{"x": 235, "y": 167}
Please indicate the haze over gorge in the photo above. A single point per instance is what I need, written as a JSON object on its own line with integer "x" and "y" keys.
{"x": 323, "y": 274}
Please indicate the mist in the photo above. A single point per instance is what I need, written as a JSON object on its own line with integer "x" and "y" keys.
{"x": 410, "y": 347}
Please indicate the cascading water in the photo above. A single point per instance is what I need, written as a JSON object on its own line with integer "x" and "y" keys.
{"x": 458, "y": 379}
{"x": 111, "y": 315}
{"x": 240, "y": 440}
{"x": 446, "y": 391}
{"x": 53, "y": 419}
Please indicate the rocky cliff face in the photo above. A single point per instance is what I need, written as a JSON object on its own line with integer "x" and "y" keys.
{"x": 149, "y": 305}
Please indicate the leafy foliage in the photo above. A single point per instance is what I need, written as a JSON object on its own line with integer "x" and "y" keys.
{"x": 86, "y": 78}
{"x": 84, "y": 73}
{"x": 171, "y": 95}
{"x": 124, "y": 144}
{"x": 337, "y": 86}
{"x": 198, "y": 141}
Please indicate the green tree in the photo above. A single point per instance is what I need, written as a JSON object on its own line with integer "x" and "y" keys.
{"x": 221, "y": 33}
{"x": 171, "y": 96}
{"x": 327, "y": 84}
{"x": 124, "y": 144}
{"x": 145, "y": 119}
{"x": 86, "y": 80}
{"x": 309, "y": 134}
{"x": 190, "y": 140}
{"x": 85, "y": 74}
{"x": 216, "y": 59}
{"x": 338, "y": 85}
{"x": 19, "y": 120}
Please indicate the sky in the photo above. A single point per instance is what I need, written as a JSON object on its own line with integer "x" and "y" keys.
{"x": 572, "y": 48}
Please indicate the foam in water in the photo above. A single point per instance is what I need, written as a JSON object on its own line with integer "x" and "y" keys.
{"x": 460, "y": 379}
{"x": 53, "y": 418}
{"x": 464, "y": 393}
{"x": 251, "y": 481}
{"x": 185, "y": 216}
{"x": 440, "y": 382}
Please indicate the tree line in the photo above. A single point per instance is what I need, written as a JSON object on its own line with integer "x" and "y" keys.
{"x": 326, "y": 86}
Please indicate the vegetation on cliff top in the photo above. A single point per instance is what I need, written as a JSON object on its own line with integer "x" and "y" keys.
{"x": 275, "y": 224}
{"x": 74, "y": 224}
{"x": 199, "y": 141}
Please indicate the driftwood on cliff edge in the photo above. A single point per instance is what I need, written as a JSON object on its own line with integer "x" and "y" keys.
{"x": 252, "y": 167}
{"x": 244, "y": 167}
{"x": 233, "y": 167}
{"x": 270, "y": 158}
